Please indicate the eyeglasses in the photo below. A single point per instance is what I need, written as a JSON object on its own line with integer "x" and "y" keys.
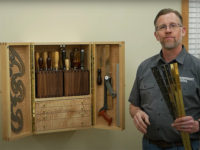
{"x": 172, "y": 26}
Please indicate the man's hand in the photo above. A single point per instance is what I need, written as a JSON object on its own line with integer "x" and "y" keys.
{"x": 186, "y": 124}
{"x": 140, "y": 118}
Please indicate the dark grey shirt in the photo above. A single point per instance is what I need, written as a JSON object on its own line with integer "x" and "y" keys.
{"x": 147, "y": 95}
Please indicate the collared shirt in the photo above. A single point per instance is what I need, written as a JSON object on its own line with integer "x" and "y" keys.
{"x": 147, "y": 95}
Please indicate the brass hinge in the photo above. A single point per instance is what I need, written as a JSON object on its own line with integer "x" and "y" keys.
{"x": 92, "y": 84}
{"x": 32, "y": 56}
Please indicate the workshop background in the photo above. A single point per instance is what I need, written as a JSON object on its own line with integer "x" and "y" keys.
{"x": 82, "y": 21}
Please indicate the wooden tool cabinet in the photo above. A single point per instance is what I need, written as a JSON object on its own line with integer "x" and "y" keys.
{"x": 30, "y": 109}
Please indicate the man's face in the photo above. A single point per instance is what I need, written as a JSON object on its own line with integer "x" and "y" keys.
{"x": 169, "y": 31}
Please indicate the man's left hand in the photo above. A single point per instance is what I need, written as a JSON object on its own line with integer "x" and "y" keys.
{"x": 186, "y": 124}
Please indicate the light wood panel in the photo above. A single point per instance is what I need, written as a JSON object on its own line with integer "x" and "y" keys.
{"x": 16, "y": 91}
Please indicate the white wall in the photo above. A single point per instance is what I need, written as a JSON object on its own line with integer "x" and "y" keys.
{"x": 77, "y": 21}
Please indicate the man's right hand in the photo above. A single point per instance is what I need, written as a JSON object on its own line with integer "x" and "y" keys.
{"x": 140, "y": 118}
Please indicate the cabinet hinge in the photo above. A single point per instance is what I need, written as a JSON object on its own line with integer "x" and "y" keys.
{"x": 32, "y": 56}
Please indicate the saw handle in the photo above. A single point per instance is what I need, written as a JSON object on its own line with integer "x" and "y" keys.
{"x": 105, "y": 116}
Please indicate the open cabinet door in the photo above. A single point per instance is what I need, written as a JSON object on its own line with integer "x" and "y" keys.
{"x": 108, "y": 85}
{"x": 16, "y": 90}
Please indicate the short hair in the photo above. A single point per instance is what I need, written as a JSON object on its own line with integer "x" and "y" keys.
{"x": 167, "y": 11}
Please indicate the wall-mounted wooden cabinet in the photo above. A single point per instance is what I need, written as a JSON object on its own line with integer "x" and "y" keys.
{"x": 54, "y": 87}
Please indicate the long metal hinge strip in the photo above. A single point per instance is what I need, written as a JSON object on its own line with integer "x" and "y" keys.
{"x": 93, "y": 117}
{"x": 180, "y": 105}
{"x": 32, "y": 59}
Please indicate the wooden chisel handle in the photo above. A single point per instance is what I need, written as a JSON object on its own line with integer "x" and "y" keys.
{"x": 56, "y": 60}
{"x": 67, "y": 64}
{"x": 49, "y": 63}
{"x": 37, "y": 56}
{"x": 40, "y": 62}
{"x": 82, "y": 58}
{"x": 63, "y": 58}
{"x": 45, "y": 56}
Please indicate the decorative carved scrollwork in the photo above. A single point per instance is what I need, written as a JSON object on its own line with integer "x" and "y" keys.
{"x": 17, "y": 69}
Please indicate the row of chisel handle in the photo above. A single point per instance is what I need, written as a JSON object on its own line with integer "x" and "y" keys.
{"x": 57, "y": 60}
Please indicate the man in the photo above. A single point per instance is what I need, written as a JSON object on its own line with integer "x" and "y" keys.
{"x": 148, "y": 109}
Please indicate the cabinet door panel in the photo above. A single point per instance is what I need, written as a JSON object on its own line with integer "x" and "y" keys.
{"x": 109, "y": 62}
{"x": 16, "y": 90}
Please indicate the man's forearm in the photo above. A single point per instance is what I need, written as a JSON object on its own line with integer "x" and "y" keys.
{"x": 133, "y": 110}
